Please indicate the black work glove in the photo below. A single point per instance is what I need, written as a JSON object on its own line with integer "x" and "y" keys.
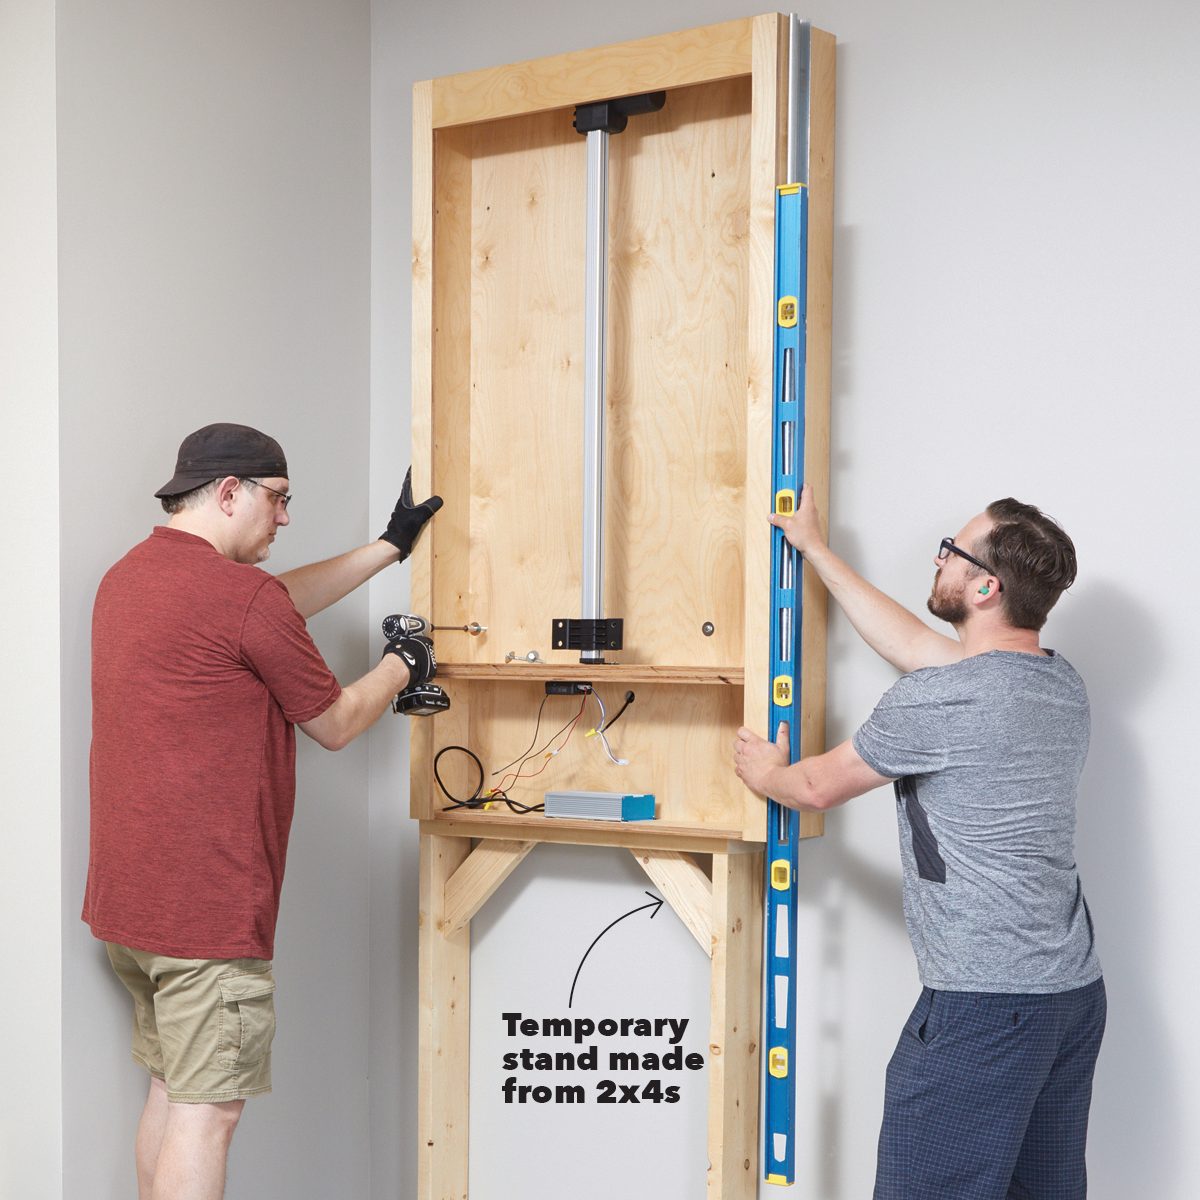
{"x": 408, "y": 519}
{"x": 417, "y": 653}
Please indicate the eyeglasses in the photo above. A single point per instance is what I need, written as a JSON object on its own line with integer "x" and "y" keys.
{"x": 285, "y": 497}
{"x": 948, "y": 547}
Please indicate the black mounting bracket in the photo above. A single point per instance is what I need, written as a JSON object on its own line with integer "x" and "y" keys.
{"x": 611, "y": 116}
{"x": 576, "y": 633}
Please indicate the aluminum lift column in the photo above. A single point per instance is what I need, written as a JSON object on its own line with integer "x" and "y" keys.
{"x": 592, "y": 634}
{"x": 594, "y": 342}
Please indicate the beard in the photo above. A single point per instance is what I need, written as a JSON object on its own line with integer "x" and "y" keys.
{"x": 251, "y": 556}
{"x": 946, "y": 607}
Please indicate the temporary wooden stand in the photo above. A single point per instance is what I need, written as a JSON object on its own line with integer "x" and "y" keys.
{"x": 498, "y": 245}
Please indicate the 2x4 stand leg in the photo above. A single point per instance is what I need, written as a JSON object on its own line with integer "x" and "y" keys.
{"x": 445, "y": 1001}
{"x": 735, "y": 1017}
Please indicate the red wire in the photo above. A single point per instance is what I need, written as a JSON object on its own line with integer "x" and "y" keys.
{"x": 518, "y": 777}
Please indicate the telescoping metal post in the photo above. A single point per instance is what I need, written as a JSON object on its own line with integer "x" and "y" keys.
{"x": 595, "y": 327}
{"x": 592, "y": 633}
{"x": 787, "y": 461}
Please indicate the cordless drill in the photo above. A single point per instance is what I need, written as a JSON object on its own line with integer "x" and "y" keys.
{"x": 407, "y": 638}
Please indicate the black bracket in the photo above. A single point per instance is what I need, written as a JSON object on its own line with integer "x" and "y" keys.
{"x": 576, "y": 633}
{"x": 611, "y": 116}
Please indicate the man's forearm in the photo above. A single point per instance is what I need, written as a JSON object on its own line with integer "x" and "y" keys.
{"x": 813, "y": 784}
{"x": 360, "y": 705}
{"x": 893, "y": 632}
{"x": 315, "y": 587}
{"x": 796, "y": 786}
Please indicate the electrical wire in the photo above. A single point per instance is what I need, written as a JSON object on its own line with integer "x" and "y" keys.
{"x": 629, "y": 699}
{"x": 480, "y": 799}
{"x": 568, "y": 728}
{"x": 529, "y": 748}
{"x": 601, "y": 726}
{"x": 475, "y": 800}
{"x": 549, "y": 741}
{"x": 455, "y": 801}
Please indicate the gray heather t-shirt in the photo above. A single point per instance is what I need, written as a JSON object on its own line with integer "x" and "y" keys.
{"x": 986, "y": 754}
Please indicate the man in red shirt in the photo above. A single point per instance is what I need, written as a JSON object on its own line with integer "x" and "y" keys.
{"x": 202, "y": 666}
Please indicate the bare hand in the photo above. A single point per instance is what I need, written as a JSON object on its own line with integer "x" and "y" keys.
{"x": 803, "y": 528}
{"x": 755, "y": 759}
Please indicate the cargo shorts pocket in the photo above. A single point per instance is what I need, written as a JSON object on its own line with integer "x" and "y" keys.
{"x": 247, "y": 1020}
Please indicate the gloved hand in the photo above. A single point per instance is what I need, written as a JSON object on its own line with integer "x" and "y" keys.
{"x": 418, "y": 656}
{"x": 408, "y": 519}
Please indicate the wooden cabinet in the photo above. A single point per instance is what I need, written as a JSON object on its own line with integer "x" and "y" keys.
{"x": 498, "y": 347}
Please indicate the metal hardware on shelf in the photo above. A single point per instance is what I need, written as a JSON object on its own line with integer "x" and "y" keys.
{"x": 530, "y": 656}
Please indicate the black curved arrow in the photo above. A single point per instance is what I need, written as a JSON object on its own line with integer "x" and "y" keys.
{"x": 656, "y": 906}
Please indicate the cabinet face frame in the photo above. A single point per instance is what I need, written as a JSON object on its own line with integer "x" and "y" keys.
{"x": 740, "y": 62}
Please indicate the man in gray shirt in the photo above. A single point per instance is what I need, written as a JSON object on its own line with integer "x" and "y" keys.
{"x": 984, "y": 739}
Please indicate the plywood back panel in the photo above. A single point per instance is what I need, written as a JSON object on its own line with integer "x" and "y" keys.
{"x": 526, "y": 303}
{"x": 680, "y": 196}
{"x": 510, "y": 216}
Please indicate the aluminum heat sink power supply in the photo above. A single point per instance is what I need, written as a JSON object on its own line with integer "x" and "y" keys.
{"x": 600, "y": 806}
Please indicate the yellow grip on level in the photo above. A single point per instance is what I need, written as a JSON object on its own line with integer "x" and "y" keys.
{"x": 785, "y": 502}
{"x": 777, "y": 1062}
{"x": 781, "y": 874}
{"x": 789, "y": 312}
{"x": 781, "y": 689}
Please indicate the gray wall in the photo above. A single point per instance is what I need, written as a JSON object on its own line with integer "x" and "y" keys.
{"x": 214, "y": 183}
{"x": 30, "y": 1000}
{"x": 1015, "y": 306}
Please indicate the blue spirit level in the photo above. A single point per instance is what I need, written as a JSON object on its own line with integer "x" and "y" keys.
{"x": 783, "y": 824}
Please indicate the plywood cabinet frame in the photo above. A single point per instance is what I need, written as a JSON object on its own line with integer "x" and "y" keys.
{"x": 465, "y": 855}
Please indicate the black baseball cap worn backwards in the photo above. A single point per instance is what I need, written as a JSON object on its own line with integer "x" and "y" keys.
{"x": 223, "y": 449}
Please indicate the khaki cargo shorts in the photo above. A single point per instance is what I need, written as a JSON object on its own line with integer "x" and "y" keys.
{"x": 203, "y": 1026}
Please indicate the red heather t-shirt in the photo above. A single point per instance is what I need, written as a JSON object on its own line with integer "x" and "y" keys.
{"x": 200, "y": 668}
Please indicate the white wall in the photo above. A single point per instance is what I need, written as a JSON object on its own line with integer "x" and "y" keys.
{"x": 214, "y": 251}
{"x": 30, "y": 1006}
{"x": 1016, "y": 254}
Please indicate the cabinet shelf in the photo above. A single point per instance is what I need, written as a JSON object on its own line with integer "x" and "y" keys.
{"x": 592, "y": 673}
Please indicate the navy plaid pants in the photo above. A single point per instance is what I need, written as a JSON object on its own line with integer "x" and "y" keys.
{"x": 987, "y": 1097}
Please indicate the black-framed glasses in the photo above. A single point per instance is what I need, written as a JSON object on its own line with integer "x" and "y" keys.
{"x": 286, "y": 497}
{"x": 948, "y": 547}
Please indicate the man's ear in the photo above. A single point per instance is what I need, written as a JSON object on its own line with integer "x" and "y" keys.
{"x": 225, "y": 491}
{"x": 988, "y": 588}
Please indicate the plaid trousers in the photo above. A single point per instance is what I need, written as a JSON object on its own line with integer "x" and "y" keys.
{"x": 987, "y": 1097}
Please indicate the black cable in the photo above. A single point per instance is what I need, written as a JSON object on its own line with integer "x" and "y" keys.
{"x": 629, "y": 699}
{"x": 475, "y": 800}
{"x": 455, "y": 802}
{"x": 516, "y": 805}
